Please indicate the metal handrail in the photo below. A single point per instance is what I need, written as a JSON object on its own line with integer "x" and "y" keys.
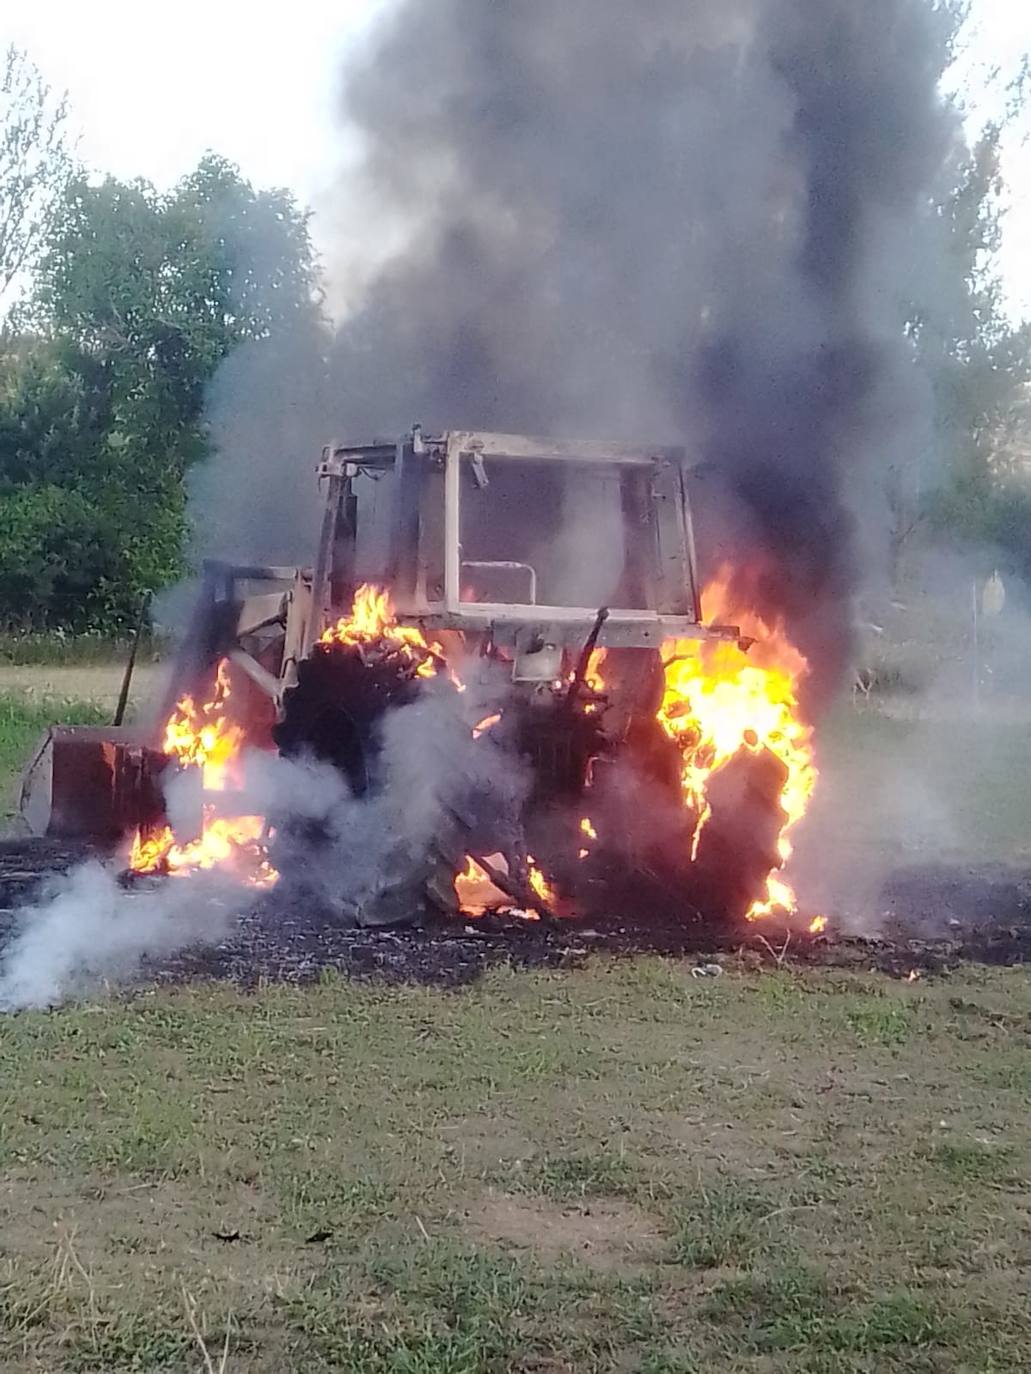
{"x": 501, "y": 563}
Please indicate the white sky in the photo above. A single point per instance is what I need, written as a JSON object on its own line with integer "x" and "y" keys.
{"x": 152, "y": 86}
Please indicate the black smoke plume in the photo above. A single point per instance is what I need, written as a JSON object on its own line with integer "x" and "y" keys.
{"x": 686, "y": 220}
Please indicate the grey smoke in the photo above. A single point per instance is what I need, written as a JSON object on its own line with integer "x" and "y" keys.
{"x": 88, "y": 930}
{"x": 256, "y": 498}
{"x": 351, "y": 850}
{"x": 695, "y": 221}
{"x": 684, "y": 220}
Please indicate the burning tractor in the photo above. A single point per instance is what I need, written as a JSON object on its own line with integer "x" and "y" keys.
{"x": 603, "y": 737}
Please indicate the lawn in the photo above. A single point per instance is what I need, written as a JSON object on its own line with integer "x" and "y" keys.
{"x": 23, "y": 720}
{"x": 617, "y": 1168}
{"x": 620, "y": 1167}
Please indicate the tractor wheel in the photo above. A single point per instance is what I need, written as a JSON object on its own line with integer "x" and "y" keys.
{"x": 335, "y": 712}
{"x": 335, "y": 715}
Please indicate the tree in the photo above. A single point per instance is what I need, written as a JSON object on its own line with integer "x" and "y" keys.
{"x": 975, "y": 360}
{"x": 140, "y": 298}
{"x": 35, "y": 166}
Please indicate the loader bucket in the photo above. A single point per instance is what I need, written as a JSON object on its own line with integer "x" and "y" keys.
{"x": 91, "y": 782}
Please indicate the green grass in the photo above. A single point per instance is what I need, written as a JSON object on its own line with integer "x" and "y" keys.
{"x": 618, "y": 1168}
{"x": 32, "y": 648}
{"x": 939, "y": 785}
{"x": 22, "y": 721}
{"x": 614, "y": 1168}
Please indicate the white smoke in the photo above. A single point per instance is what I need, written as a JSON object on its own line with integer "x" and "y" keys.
{"x": 90, "y": 931}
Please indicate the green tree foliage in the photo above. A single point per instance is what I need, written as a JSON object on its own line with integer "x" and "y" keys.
{"x": 976, "y": 359}
{"x": 140, "y": 298}
{"x": 35, "y": 166}
{"x": 980, "y": 363}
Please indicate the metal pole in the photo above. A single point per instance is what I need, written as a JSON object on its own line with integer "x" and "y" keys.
{"x": 584, "y": 662}
{"x": 977, "y": 651}
{"x": 692, "y": 553}
{"x": 452, "y": 529}
{"x": 323, "y": 563}
{"x": 123, "y": 695}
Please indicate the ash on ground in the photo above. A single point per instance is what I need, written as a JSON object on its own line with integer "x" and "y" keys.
{"x": 930, "y": 920}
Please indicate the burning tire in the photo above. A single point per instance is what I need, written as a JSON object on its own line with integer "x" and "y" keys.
{"x": 335, "y": 711}
{"x": 336, "y": 714}
{"x": 738, "y": 845}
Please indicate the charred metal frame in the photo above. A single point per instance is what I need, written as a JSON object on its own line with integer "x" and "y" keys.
{"x": 228, "y": 619}
{"x": 654, "y": 489}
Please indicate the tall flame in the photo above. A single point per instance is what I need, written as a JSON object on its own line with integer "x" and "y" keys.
{"x": 719, "y": 700}
{"x": 204, "y": 737}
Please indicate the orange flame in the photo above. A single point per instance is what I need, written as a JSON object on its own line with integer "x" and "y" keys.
{"x": 588, "y": 831}
{"x": 233, "y": 844}
{"x": 204, "y": 737}
{"x": 373, "y": 621}
{"x": 475, "y": 892}
{"x": 719, "y": 699}
{"x": 538, "y": 881}
{"x": 595, "y": 663}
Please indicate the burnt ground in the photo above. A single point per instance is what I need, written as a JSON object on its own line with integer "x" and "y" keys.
{"x": 930, "y": 919}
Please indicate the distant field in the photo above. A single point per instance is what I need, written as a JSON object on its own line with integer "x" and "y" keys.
{"x": 928, "y": 787}
{"x": 93, "y": 682}
{"x": 612, "y": 1169}
{"x": 33, "y": 697}
{"x": 62, "y": 649}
